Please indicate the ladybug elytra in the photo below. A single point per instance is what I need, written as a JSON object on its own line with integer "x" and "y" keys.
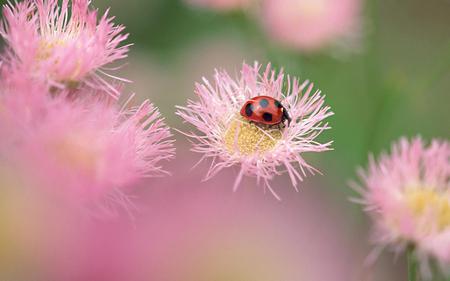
{"x": 265, "y": 110}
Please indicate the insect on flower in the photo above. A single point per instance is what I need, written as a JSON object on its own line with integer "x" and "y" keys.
{"x": 236, "y": 117}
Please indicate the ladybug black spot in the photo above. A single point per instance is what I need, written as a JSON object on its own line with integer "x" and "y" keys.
{"x": 278, "y": 104}
{"x": 267, "y": 117}
{"x": 263, "y": 103}
{"x": 249, "y": 110}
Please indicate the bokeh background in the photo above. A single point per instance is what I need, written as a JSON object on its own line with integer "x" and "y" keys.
{"x": 394, "y": 81}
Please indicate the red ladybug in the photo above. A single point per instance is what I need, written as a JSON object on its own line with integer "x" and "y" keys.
{"x": 265, "y": 110}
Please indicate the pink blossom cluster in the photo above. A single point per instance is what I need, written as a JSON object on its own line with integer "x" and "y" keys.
{"x": 62, "y": 126}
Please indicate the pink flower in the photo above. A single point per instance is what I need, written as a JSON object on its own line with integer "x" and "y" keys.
{"x": 309, "y": 25}
{"x": 63, "y": 45}
{"x": 89, "y": 151}
{"x": 221, "y": 5}
{"x": 229, "y": 139}
{"x": 407, "y": 193}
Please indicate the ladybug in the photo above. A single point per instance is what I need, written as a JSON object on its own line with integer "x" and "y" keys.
{"x": 265, "y": 110}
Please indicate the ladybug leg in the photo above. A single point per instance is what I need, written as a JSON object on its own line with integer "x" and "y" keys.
{"x": 286, "y": 117}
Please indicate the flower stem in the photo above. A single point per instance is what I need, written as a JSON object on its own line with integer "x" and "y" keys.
{"x": 412, "y": 266}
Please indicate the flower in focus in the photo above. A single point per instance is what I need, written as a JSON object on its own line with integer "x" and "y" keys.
{"x": 90, "y": 151}
{"x": 230, "y": 139}
{"x": 408, "y": 195}
{"x": 310, "y": 25}
{"x": 63, "y": 45}
{"x": 221, "y": 5}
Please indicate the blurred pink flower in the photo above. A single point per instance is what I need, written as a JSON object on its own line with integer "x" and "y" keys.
{"x": 194, "y": 231}
{"x": 63, "y": 46}
{"x": 408, "y": 195}
{"x": 221, "y": 5}
{"x": 89, "y": 151}
{"x": 259, "y": 151}
{"x": 309, "y": 25}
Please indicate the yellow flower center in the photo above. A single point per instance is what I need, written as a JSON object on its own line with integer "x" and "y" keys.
{"x": 44, "y": 52}
{"x": 430, "y": 203}
{"x": 46, "y": 47}
{"x": 246, "y": 138}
